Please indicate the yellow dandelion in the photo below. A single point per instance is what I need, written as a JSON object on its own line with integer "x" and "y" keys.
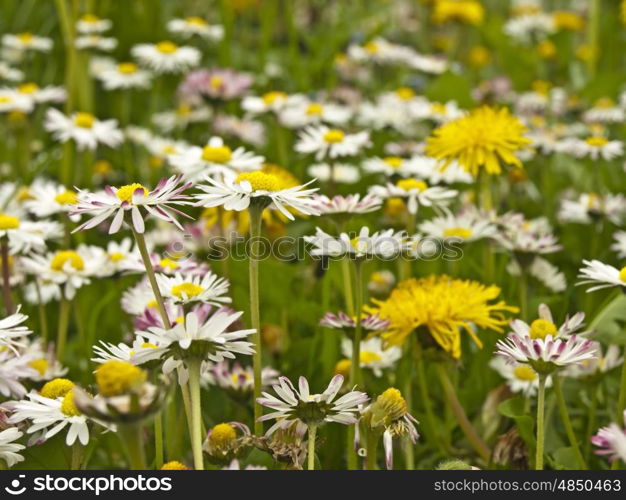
{"x": 484, "y": 138}
{"x": 443, "y": 307}
{"x": 462, "y": 11}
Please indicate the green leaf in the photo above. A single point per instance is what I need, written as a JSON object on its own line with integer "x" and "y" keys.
{"x": 610, "y": 323}
{"x": 514, "y": 408}
{"x": 451, "y": 87}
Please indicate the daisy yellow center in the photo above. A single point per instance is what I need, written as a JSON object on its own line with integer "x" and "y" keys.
{"x": 395, "y": 207}
{"x": 541, "y": 87}
{"x": 314, "y": 109}
{"x": 168, "y": 263}
{"x": 409, "y": 184}
{"x": 68, "y": 407}
{"x": 271, "y": 97}
{"x": 116, "y": 256}
{"x": 460, "y": 232}
{"x": 525, "y": 373}
{"x": 605, "y": 103}
{"x": 5, "y": 99}
{"x": 127, "y": 68}
{"x": 405, "y": 93}
{"x": 592, "y": 200}
{"x": 28, "y": 88}
{"x": 369, "y": 357}
{"x": 152, "y": 304}
{"x": 56, "y": 388}
{"x": 84, "y": 120}
{"x": 216, "y": 82}
{"x": 622, "y": 274}
{"x": 174, "y": 465}
{"x": 597, "y": 141}
{"x": 343, "y": 367}
{"x": 41, "y": 365}
{"x": 222, "y": 435}
{"x": 195, "y": 20}
{"x": 217, "y": 154}
{"x": 25, "y": 37}
{"x": 393, "y": 161}
{"x": 236, "y": 377}
{"x": 118, "y": 377}
{"x": 334, "y": 136}
{"x": 378, "y": 278}
{"x": 371, "y": 47}
{"x": 166, "y": 47}
{"x": 90, "y": 18}
{"x": 183, "y": 110}
{"x": 394, "y": 404}
{"x": 24, "y": 194}
{"x": 541, "y": 328}
{"x": 66, "y": 198}
{"x": 260, "y": 181}
{"x": 125, "y": 193}
{"x": 60, "y": 258}
{"x": 187, "y": 288}
{"x": 9, "y": 222}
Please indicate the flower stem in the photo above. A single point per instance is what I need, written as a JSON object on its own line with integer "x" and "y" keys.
{"x": 130, "y": 435}
{"x": 64, "y": 321}
{"x": 523, "y": 293}
{"x": 6, "y": 277}
{"x": 433, "y": 433}
{"x": 558, "y": 390}
{"x": 311, "y": 453}
{"x": 355, "y": 365}
{"x": 41, "y": 309}
{"x": 457, "y": 409}
{"x": 621, "y": 399}
{"x": 196, "y": 413}
{"x": 541, "y": 400}
{"x": 591, "y": 418}
{"x": 158, "y": 440}
{"x": 77, "y": 456}
{"x": 372, "y": 450}
{"x": 347, "y": 285}
{"x": 253, "y": 269}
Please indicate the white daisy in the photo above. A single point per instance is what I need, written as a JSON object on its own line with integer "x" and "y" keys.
{"x": 382, "y": 244}
{"x": 593, "y": 147}
{"x": 340, "y": 173}
{"x": 274, "y": 101}
{"x": 125, "y": 75}
{"x": 327, "y": 143}
{"x": 194, "y": 25}
{"x": 604, "y": 111}
{"x": 8, "y": 449}
{"x": 10, "y": 73}
{"x": 25, "y": 236}
{"x": 166, "y": 56}
{"x": 603, "y": 363}
{"x": 612, "y": 441}
{"x": 215, "y": 158}
{"x": 90, "y": 23}
{"x": 12, "y": 332}
{"x": 341, "y": 321}
{"x": 51, "y": 416}
{"x": 372, "y": 355}
{"x": 588, "y": 207}
{"x": 349, "y": 204}
{"x": 517, "y": 234}
{"x": 619, "y": 246}
{"x": 306, "y": 112}
{"x": 69, "y": 269}
{"x": 181, "y": 117}
{"x": 40, "y": 95}
{"x": 185, "y": 289}
{"x": 601, "y": 275}
{"x": 84, "y": 128}
{"x": 519, "y": 377}
{"x": 211, "y": 338}
{"x": 27, "y": 41}
{"x": 236, "y": 379}
{"x": 11, "y": 100}
{"x": 417, "y": 192}
{"x": 256, "y": 187}
{"x": 98, "y": 42}
{"x": 48, "y": 198}
{"x": 299, "y": 405}
{"x": 465, "y": 226}
{"x": 126, "y": 204}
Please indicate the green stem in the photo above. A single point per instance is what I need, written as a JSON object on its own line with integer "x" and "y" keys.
{"x": 433, "y": 433}
{"x": 158, "y": 440}
{"x": 6, "y": 277}
{"x": 41, "y": 309}
{"x": 355, "y": 365}
{"x": 621, "y": 399}
{"x": 253, "y": 269}
{"x": 77, "y": 456}
{"x": 311, "y": 453}
{"x": 541, "y": 401}
{"x": 372, "y": 450}
{"x": 457, "y": 409}
{"x": 64, "y": 321}
{"x": 407, "y": 391}
{"x": 130, "y": 435}
{"x": 593, "y": 30}
{"x": 196, "y": 413}
{"x": 569, "y": 430}
{"x": 347, "y": 285}
{"x": 523, "y": 292}
{"x": 591, "y": 418}
{"x": 486, "y": 201}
